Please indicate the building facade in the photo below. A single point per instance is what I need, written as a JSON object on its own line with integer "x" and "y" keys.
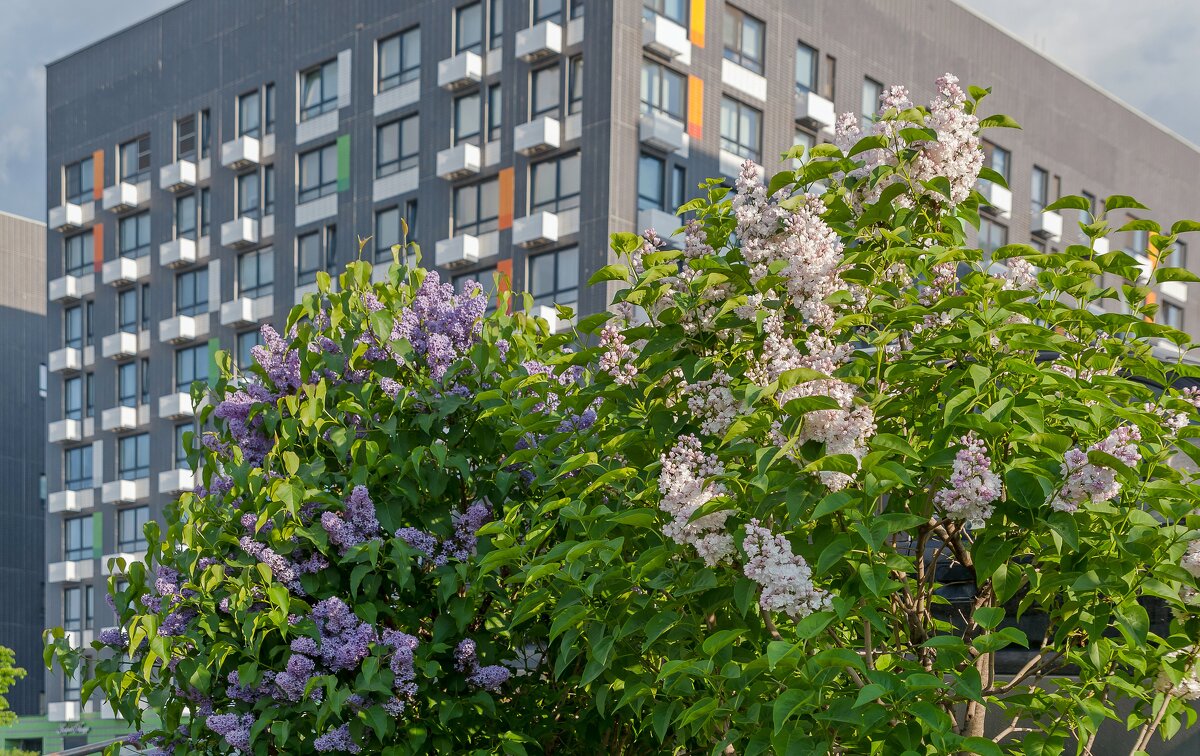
{"x": 206, "y": 163}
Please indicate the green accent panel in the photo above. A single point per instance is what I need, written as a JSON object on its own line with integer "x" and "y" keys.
{"x": 343, "y": 147}
{"x": 97, "y": 534}
{"x": 214, "y": 346}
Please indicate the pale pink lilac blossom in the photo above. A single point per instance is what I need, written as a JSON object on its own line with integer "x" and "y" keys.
{"x": 682, "y": 483}
{"x": 616, "y": 358}
{"x": 973, "y": 487}
{"x": 1086, "y": 482}
{"x": 785, "y": 578}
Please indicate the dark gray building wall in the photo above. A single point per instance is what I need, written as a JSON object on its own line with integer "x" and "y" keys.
{"x": 23, "y": 422}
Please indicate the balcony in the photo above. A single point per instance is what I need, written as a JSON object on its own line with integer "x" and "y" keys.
{"x": 814, "y": 111}
{"x": 65, "y": 360}
{"x": 535, "y": 230}
{"x": 119, "y": 418}
{"x": 177, "y": 176}
{"x": 62, "y": 431}
{"x": 62, "y": 711}
{"x": 239, "y": 232}
{"x": 123, "y": 196}
{"x": 1047, "y": 225}
{"x": 458, "y": 162}
{"x": 70, "y": 571}
{"x": 175, "y": 406}
{"x": 124, "y": 270}
{"x": 177, "y": 253}
{"x": 69, "y": 501}
{"x": 241, "y": 153}
{"x": 238, "y": 312}
{"x": 123, "y": 491}
{"x": 176, "y": 481}
{"x": 537, "y": 136}
{"x": 662, "y": 132}
{"x": 550, "y": 315}
{"x": 1100, "y": 245}
{"x": 78, "y": 639}
{"x": 116, "y": 346}
{"x": 71, "y": 288}
{"x": 664, "y": 37}
{"x": 456, "y": 252}
{"x": 999, "y": 199}
{"x": 539, "y": 41}
{"x": 664, "y": 224}
{"x": 109, "y": 567}
{"x": 462, "y": 70}
{"x": 179, "y": 329}
{"x": 70, "y": 216}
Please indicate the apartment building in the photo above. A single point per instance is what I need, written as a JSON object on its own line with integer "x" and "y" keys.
{"x": 204, "y": 165}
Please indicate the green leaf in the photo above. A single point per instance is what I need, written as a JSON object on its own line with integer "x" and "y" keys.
{"x": 785, "y": 706}
{"x": 1069, "y": 202}
{"x": 832, "y": 503}
{"x": 617, "y": 272}
{"x": 868, "y": 693}
{"x": 988, "y": 617}
{"x": 1122, "y": 201}
{"x": 998, "y": 121}
{"x": 991, "y": 174}
{"x": 873, "y": 142}
{"x": 1184, "y": 226}
{"x": 982, "y": 746}
{"x": 1175, "y": 274}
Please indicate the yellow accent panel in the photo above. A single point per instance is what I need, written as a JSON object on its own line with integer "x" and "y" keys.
{"x": 696, "y": 33}
{"x": 695, "y": 107}
{"x": 98, "y": 175}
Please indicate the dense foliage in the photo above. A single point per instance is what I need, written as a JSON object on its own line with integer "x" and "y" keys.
{"x": 9, "y": 674}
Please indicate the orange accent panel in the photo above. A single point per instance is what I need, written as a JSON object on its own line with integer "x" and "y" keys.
{"x": 1151, "y": 298}
{"x": 504, "y": 268}
{"x": 696, "y": 33}
{"x": 97, "y": 174}
{"x": 695, "y": 107}
{"x": 506, "y": 199}
{"x": 98, "y": 246}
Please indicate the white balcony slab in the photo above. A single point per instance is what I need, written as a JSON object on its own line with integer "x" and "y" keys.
{"x": 537, "y": 136}
{"x": 539, "y": 41}
{"x": 316, "y": 210}
{"x": 492, "y": 153}
{"x": 459, "y": 161}
{"x": 460, "y": 71}
{"x": 303, "y": 291}
{"x": 573, "y": 128}
{"x": 110, "y": 566}
{"x": 744, "y": 80}
{"x": 575, "y": 31}
{"x": 70, "y": 501}
{"x": 397, "y": 97}
{"x": 316, "y": 128}
{"x": 731, "y": 164}
{"x": 396, "y": 184}
{"x": 814, "y": 111}
{"x": 177, "y": 176}
{"x": 535, "y": 230}
{"x": 175, "y": 406}
{"x": 239, "y": 232}
{"x": 266, "y": 227}
{"x": 457, "y": 251}
{"x": 177, "y": 253}
{"x": 1100, "y": 245}
{"x": 120, "y": 345}
{"x": 70, "y": 216}
{"x": 662, "y": 36}
{"x": 176, "y": 481}
{"x": 70, "y": 571}
{"x": 998, "y": 198}
{"x": 204, "y": 169}
{"x": 119, "y": 418}
{"x": 123, "y": 271}
{"x": 62, "y": 711}
{"x": 239, "y": 312}
{"x": 67, "y": 359}
{"x": 241, "y": 153}
{"x": 124, "y": 196}
{"x": 125, "y": 491}
{"x": 63, "y": 431}
{"x": 664, "y": 224}
{"x": 79, "y": 639}
{"x": 662, "y": 132}
{"x": 1176, "y": 290}
{"x": 181, "y": 329}
{"x": 1048, "y": 225}
{"x": 71, "y": 288}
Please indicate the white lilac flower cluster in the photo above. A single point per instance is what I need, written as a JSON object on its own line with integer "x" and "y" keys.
{"x": 973, "y": 486}
{"x": 1019, "y": 274}
{"x": 682, "y": 483}
{"x": 1173, "y": 420}
{"x": 1085, "y": 481}
{"x": 785, "y": 577}
{"x": 1188, "y": 687}
{"x": 712, "y": 403}
{"x": 616, "y": 361}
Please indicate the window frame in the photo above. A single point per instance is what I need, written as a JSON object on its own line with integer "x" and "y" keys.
{"x": 1034, "y": 184}
{"x": 140, "y": 247}
{"x": 182, "y": 152}
{"x": 872, "y": 91}
{"x": 402, "y": 74}
{"x": 84, "y": 173}
{"x": 462, "y": 45}
{"x": 191, "y": 292}
{"x": 264, "y": 260}
{"x": 78, "y": 475}
{"x": 748, "y": 152}
{"x": 322, "y": 73}
{"x": 326, "y": 238}
{"x": 86, "y": 262}
{"x": 814, "y": 68}
{"x": 197, "y": 356}
{"x": 660, "y": 183}
{"x": 127, "y": 384}
{"x": 307, "y": 192}
{"x": 73, "y": 327}
{"x": 134, "y": 542}
{"x": 141, "y": 156}
{"x": 479, "y": 224}
{"x": 80, "y": 530}
{"x": 738, "y": 54}
{"x": 660, "y": 8}
{"x": 407, "y": 156}
{"x": 458, "y": 120}
{"x": 562, "y": 201}
{"x": 73, "y": 397}
{"x": 256, "y": 129}
{"x": 550, "y": 298}
{"x": 536, "y": 109}
{"x": 654, "y": 77}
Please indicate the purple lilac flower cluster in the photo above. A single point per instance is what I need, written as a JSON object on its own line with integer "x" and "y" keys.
{"x": 345, "y": 639}
{"x": 461, "y": 544}
{"x": 337, "y": 739}
{"x": 235, "y": 728}
{"x": 442, "y": 326}
{"x": 236, "y": 410}
{"x": 278, "y": 361}
{"x": 490, "y": 678}
{"x": 356, "y": 525}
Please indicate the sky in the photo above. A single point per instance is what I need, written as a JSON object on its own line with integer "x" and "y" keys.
{"x": 1143, "y": 53}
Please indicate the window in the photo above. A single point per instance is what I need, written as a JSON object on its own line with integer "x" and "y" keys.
{"x": 247, "y": 195}
{"x": 544, "y": 87}
{"x": 806, "y": 68}
{"x": 1039, "y": 189}
{"x": 575, "y": 84}
{"x": 127, "y": 384}
{"x": 1038, "y": 244}
{"x": 315, "y": 252}
{"x": 1177, "y": 257}
{"x": 872, "y": 91}
{"x": 410, "y": 217}
{"x": 269, "y": 109}
{"x": 399, "y": 59}
{"x": 144, "y": 373}
{"x": 134, "y": 233}
{"x": 992, "y": 236}
{"x": 476, "y": 208}
{"x": 997, "y": 158}
{"x": 554, "y": 277}
{"x": 205, "y": 132}
{"x": 486, "y": 279}
{"x": 77, "y": 469}
{"x": 1092, "y": 206}
{"x": 79, "y": 607}
{"x": 555, "y": 183}
{"x": 245, "y": 348}
{"x": 145, "y": 307}
{"x": 496, "y": 29}
{"x": 131, "y": 524}
{"x": 318, "y": 173}
{"x": 319, "y": 90}
{"x": 77, "y": 537}
{"x": 829, "y": 85}
{"x": 89, "y": 395}
{"x": 73, "y": 398}
{"x": 73, "y": 327}
{"x": 397, "y": 145}
{"x": 387, "y": 233}
{"x": 185, "y": 217}
{"x": 73, "y": 683}
{"x": 191, "y": 292}
{"x": 676, "y": 10}
{"x": 191, "y": 364}
{"x": 256, "y": 273}
{"x": 89, "y": 322}
{"x": 741, "y": 129}
{"x": 468, "y": 28}
{"x": 268, "y": 190}
{"x": 576, "y": 8}
{"x": 663, "y": 90}
{"x": 651, "y": 192}
{"x": 185, "y": 138}
{"x": 249, "y": 114}
{"x": 1139, "y": 241}
{"x": 79, "y": 182}
{"x": 127, "y": 311}
{"x": 135, "y": 160}
{"x": 467, "y": 119}
{"x": 182, "y": 447}
{"x": 1171, "y": 314}
{"x": 78, "y": 254}
{"x": 205, "y": 211}
{"x": 744, "y": 39}
{"x": 678, "y": 187}
{"x": 547, "y": 10}
{"x": 495, "y": 113}
{"x": 804, "y": 139}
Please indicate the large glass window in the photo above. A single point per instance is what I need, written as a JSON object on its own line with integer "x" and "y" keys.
{"x": 79, "y": 607}
{"x": 496, "y": 24}
{"x": 145, "y": 307}
{"x": 131, "y": 525}
{"x": 77, "y": 468}
{"x": 269, "y": 108}
{"x": 77, "y": 537}
{"x": 397, "y": 146}
{"x": 678, "y": 187}
{"x": 89, "y": 395}
{"x": 467, "y": 118}
{"x": 1039, "y": 190}
{"x": 555, "y": 184}
{"x": 1177, "y": 257}
{"x": 205, "y": 210}
{"x": 79, "y": 182}
{"x": 387, "y": 233}
{"x": 135, "y": 159}
{"x": 468, "y": 28}
{"x": 185, "y": 217}
{"x": 318, "y": 173}
{"x": 191, "y": 364}
{"x": 185, "y": 138}
{"x": 73, "y": 398}
{"x": 997, "y": 158}
{"x": 134, "y": 233}
{"x": 78, "y": 254}
{"x": 992, "y": 236}
{"x": 477, "y": 208}
{"x": 676, "y": 10}
{"x": 741, "y": 129}
{"x": 318, "y": 90}
{"x": 545, "y": 90}
{"x": 547, "y": 10}
{"x": 268, "y": 189}
{"x": 495, "y": 113}
{"x": 127, "y": 311}
{"x": 144, "y": 374}
{"x": 1171, "y": 314}
{"x": 182, "y": 447}
{"x": 73, "y": 327}
{"x": 663, "y": 90}
{"x": 554, "y": 277}
{"x": 127, "y": 384}
{"x": 250, "y": 114}
{"x": 246, "y": 341}
{"x": 191, "y": 292}
{"x": 650, "y": 184}
{"x": 872, "y": 91}
{"x": 315, "y": 252}
{"x": 410, "y": 216}
{"x": 256, "y": 273}
{"x": 575, "y": 84}
{"x": 399, "y": 59}
{"x": 806, "y": 68}
{"x": 89, "y": 322}
{"x": 744, "y": 39}
{"x": 248, "y": 195}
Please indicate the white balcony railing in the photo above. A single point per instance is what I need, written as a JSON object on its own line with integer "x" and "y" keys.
{"x": 121, "y": 492}
{"x": 119, "y": 418}
{"x": 123, "y": 196}
{"x": 459, "y": 161}
{"x": 69, "y": 501}
{"x": 999, "y": 199}
{"x": 664, "y": 37}
{"x": 460, "y": 71}
{"x": 662, "y": 132}
{"x": 62, "y": 711}
{"x": 175, "y": 406}
{"x": 67, "y": 359}
{"x": 177, "y": 176}
{"x": 535, "y": 230}
{"x": 457, "y": 251}
{"x": 536, "y": 136}
{"x": 176, "y": 481}
{"x": 814, "y": 111}
{"x": 179, "y": 329}
{"x": 241, "y": 153}
{"x": 539, "y": 41}
{"x": 239, "y": 232}
{"x": 1048, "y": 225}
{"x": 177, "y": 253}
{"x": 71, "y": 288}
{"x": 117, "y": 346}
{"x": 70, "y": 571}
{"x": 63, "y": 431}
